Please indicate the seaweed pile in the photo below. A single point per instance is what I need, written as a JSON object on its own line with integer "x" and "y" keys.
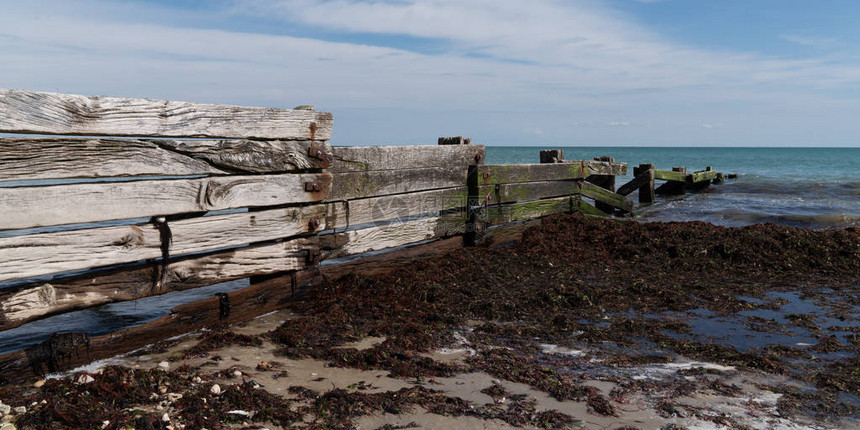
{"x": 611, "y": 290}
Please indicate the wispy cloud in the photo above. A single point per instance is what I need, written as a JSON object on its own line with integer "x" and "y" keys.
{"x": 496, "y": 70}
{"x": 815, "y": 42}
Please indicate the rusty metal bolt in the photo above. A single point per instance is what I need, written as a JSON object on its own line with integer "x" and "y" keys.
{"x": 314, "y": 223}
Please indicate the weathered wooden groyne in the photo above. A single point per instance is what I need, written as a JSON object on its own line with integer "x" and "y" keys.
{"x": 131, "y": 198}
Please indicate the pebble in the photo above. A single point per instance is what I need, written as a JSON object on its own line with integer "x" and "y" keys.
{"x": 216, "y": 389}
{"x": 172, "y": 397}
{"x": 4, "y": 409}
{"x": 197, "y": 380}
{"x": 165, "y": 418}
{"x": 84, "y": 379}
{"x": 20, "y": 410}
{"x": 237, "y": 373}
{"x": 164, "y": 365}
{"x": 39, "y": 383}
{"x": 8, "y": 426}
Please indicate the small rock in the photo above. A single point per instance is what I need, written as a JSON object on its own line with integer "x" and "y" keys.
{"x": 5, "y": 409}
{"x": 239, "y": 412}
{"x": 165, "y": 418}
{"x": 216, "y": 389}
{"x": 8, "y": 426}
{"x": 197, "y": 380}
{"x": 162, "y": 389}
{"x": 237, "y": 373}
{"x": 84, "y": 378}
{"x": 164, "y": 365}
{"x": 20, "y": 410}
{"x": 39, "y": 383}
{"x": 172, "y": 397}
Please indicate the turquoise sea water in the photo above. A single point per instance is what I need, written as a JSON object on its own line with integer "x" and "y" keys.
{"x": 804, "y": 187}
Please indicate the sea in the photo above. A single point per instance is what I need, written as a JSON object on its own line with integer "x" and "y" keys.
{"x": 814, "y": 188}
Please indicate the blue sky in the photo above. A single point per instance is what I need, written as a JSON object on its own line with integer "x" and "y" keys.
{"x": 505, "y": 72}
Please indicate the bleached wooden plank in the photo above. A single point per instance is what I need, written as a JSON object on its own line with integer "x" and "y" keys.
{"x": 366, "y": 158}
{"x": 34, "y": 159}
{"x": 25, "y": 303}
{"x": 26, "y": 207}
{"x": 390, "y": 236}
{"x": 353, "y": 185}
{"x": 348, "y": 213}
{"x": 46, "y": 253}
{"x": 255, "y": 156}
{"x": 50, "y": 113}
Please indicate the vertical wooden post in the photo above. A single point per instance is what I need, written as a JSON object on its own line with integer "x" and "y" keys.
{"x": 646, "y": 192}
{"x": 551, "y": 156}
{"x": 603, "y": 181}
{"x": 673, "y": 188}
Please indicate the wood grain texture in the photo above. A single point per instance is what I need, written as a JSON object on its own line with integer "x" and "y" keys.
{"x": 374, "y": 265}
{"x": 353, "y": 185}
{"x": 33, "y": 159}
{"x": 46, "y": 253}
{"x": 503, "y": 214}
{"x": 508, "y": 193}
{"x": 51, "y": 113}
{"x": 247, "y": 303}
{"x": 25, "y": 303}
{"x": 605, "y": 196}
{"x": 643, "y": 179}
{"x": 609, "y": 168}
{"x": 253, "y": 156}
{"x": 367, "y": 158}
{"x": 348, "y": 213}
{"x": 390, "y": 236}
{"x": 703, "y": 176}
{"x": 516, "y": 173}
{"x": 26, "y": 207}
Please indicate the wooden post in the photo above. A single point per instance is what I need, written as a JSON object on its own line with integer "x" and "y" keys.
{"x": 673, "y": 188}
{"x": 719, "y": 179}
{"x": 646, "y": 192}
{"x": 455, "y": 140}
{"x": 551, "y": 156}
{"x": 603, "y": 181}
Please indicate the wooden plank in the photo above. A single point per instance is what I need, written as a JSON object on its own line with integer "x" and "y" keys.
{"x": 643, "y": 179}
{"x": 33, "y": 159}
{"x": 26, "y": 207}
{"x": 508, "y": 193}
{"x": 50, "y": 113}
{"x": 348, "y": 213}
{"x": 390, "y": 236}
{"x": 612, "y": 168}
{"x": 255, "y": 156}
{"x": 666, "y": 175}
{"x": 588, "y": 209}
{"x": 605, "y": 196}
{"x": 508, "y": 233}
{"x": 352, "y": 185}
{"x": 516, "y": 173}
{"x": 245, "y": 304}
{"x": 496, "y": 215}
{"x": 367, "y": 158}
{"x": 24, "y": 303}
{"x": 46, "y": 253}
{"x": 706, "y": 175}
{"x": 379, "y": 264}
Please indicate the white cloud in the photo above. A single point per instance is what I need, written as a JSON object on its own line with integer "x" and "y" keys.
{"x": 561, "y": 68}
{"x": 815, "y": 42}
